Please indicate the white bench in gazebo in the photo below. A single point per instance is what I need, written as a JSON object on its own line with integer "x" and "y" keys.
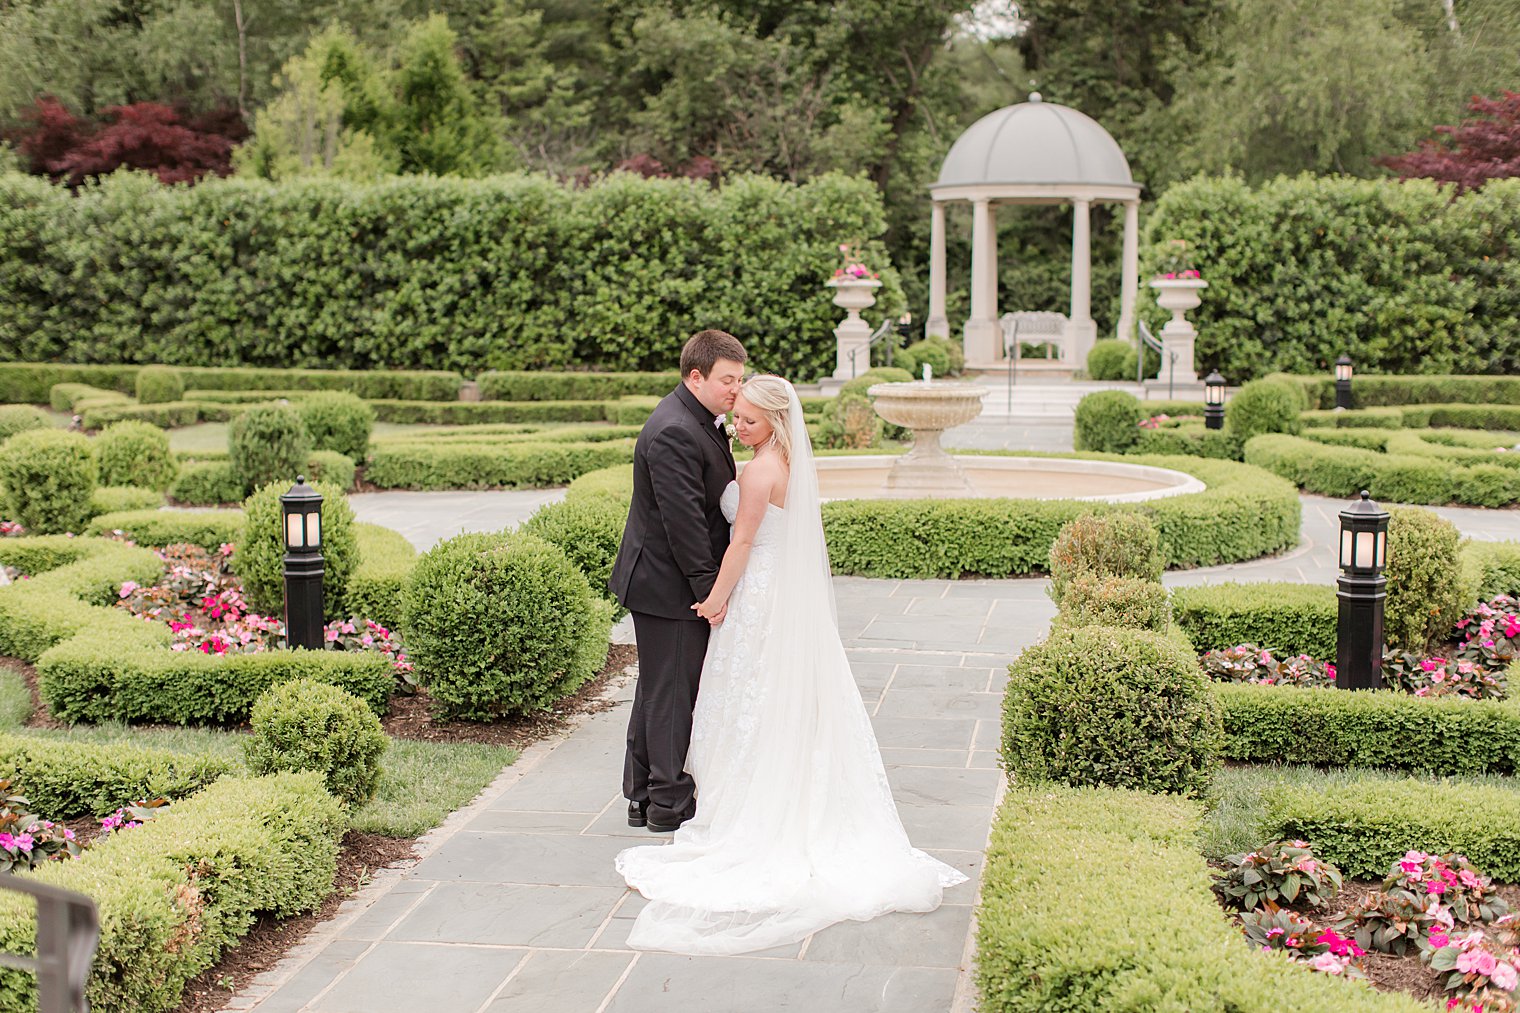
{"x": 1036, "y": 328}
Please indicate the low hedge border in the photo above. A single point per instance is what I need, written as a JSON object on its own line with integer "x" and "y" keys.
{"x": 1244, "y": 514}
{"x": 1396, "y": 478}
{"x": 1369, "y": 391}
{"x": 207, "y": 478}
{"x": 1497, "y": 566}
{"x": 1386, "y": 728}
{"x": 177, "y": 891}
{"x": 534, "y": 385}
{"x": 1280, "y": 616}
{"x": 64, "y": 779}
{"x": 1097, "y": 898}
{"x": 1365, "y": 827}
{"x": 440, "y": 465}
{"x": 207, "y": 528}
{"x": 98, "y": 663}
{"x": 386, "y": 559}
{"x": 465, "y": 412}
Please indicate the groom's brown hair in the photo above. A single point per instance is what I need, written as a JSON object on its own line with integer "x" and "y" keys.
{"x": 704, "y": 348}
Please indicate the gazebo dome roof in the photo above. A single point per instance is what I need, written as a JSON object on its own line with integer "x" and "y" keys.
{"x": 1035, "y": 143}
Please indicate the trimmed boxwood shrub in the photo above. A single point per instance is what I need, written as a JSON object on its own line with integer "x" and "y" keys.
{"x": 67, "y": 779}
{"x": 502, "y": 625}
{"x": 64, "y": 396}
{"x": 1486, "y": 485}
{"x": 436, "y": 465}
{"x": 268, "y": 443}
{"x": 1138, "y": 928}
{"x": 633, "y": 410}
{"x": 206, "y": 483}
{"x": 549, "y": 385}
{"x": 1284, "y": 617}
{"x": 305, "y": 725}
{"x": 1105, "y": 706}
{"x": 338, "y": 421}
{"x": 1342, "y": 471}
{"x": 47, "y": 476}
{"x": 168, "y": 415}
{"x": 110, "y": 499}
{"x": 209, "y": 529}
{"x": 18, "y": 418}
{"x": 31, "y": 382}
{"x": 331, "y": 467}
{"x": 177, "y": 891}
{"x": 1108, "y": 358}
{"x": 945, "y": 357}
{"x": 1104, "y": 545}
{"x": 1365, "y": 827}
{"x": 1427, "y": 589}
{"x": 1496, "y": 565}
{"x": 1386, "y": 728}
{"x": 477, "y": 412}
{"x": 1131, "y": 602}
{"x": 1191, "y": 439}
{"x": 259, "y": 559}
{"x": 157, "y": 384}
{"x": 135, "y": 453}
{"x": 1108, "y": 421}
{"x": 588, "y": 530}
{"x": 1272, "y": 405}
{"x": 386, "y": 559}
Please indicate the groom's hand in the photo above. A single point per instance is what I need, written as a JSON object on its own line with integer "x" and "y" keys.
{"x": 712, "y": 613}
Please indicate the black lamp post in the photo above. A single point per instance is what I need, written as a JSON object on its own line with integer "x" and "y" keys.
{"x": 1213, "y": 400}
{"x": 1362, "y": 592}
{"x": 1343, "y": 382}
{"x": 904, "y": 334}
{"x": 304, "y": 566}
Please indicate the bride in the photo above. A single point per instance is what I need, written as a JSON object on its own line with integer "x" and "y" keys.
{"x": 795, "y": 826}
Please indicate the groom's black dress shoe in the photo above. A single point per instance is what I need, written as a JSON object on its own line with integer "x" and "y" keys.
{"x": 636, "y": 817}
{"x": 656, "y": 827}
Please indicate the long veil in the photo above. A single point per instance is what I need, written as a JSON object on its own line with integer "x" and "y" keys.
{"x": 796, "y": 827}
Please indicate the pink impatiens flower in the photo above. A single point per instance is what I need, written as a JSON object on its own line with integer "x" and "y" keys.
{"x": 127, "y": 589}
{"x": 1505, "y": 976}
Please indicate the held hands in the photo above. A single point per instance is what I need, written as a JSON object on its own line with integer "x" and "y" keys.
{"x": 712, "y": 611}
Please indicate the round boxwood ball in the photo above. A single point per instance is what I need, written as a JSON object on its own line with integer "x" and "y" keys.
{"x": 1270, "y": 405}
{"x": 135, "y": 453}
{"x": 501, "y": 624}
{"x": 47, "y": 476}
{"x": 1109, "y": 421}
{"x": 260, "y": 556}
{"x": 308, "y": 725}
{"x": 268, "y": 443}
{"x": 1098, "y": 705}
{"x": 587, "y": 530}
{"x": 337, "y": 420}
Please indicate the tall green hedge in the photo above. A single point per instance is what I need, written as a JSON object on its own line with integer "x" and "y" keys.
{"x": 509, "y": 272}
{"x": 1405, "y": 277}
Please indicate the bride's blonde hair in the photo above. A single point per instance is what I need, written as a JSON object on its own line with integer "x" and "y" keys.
{"x": 772, "y": 395}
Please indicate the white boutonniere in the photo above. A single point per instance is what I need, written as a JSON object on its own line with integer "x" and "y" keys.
{"x": 729, "y": 431}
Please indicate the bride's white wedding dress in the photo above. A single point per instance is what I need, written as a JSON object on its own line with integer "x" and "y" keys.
{"x": 795, "y": 826}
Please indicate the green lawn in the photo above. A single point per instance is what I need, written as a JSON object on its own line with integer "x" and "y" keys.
{"x": 1237, "y": 814}
{"x": 422, "y": 782}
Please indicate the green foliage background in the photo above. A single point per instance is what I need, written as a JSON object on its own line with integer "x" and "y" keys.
{"x": 436, "y": 273}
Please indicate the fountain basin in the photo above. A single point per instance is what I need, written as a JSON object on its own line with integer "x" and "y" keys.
{"x": 932, "y": 405}
{"x": 866, "y": 477}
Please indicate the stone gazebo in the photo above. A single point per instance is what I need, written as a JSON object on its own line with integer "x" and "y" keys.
{"x": 1032, "y": 153}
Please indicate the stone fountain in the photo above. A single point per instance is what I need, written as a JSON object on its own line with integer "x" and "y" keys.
{"x": 928, "y": 408}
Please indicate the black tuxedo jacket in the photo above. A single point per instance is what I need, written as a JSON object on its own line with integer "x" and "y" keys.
{"x": 676, "y": 535}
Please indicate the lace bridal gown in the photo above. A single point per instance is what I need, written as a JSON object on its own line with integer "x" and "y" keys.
{"x": 795, "y": 826}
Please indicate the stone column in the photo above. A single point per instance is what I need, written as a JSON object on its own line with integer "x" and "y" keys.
{"x": 981, "y": 333}
{"x": 938, "y": 325}
{"x": 1081, "y": 332}
{"x": 1129, "y": 272}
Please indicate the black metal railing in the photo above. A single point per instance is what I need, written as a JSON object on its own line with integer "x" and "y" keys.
{"x": 68, "y": 930}
{"x": 888, "y": 327}
{"x": 1168, "y": 359}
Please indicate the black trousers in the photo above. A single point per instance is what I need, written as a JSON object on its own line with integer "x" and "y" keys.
{"x": 659, "y": 729}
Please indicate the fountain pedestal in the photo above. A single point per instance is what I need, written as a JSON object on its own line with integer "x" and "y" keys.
{"x": 928, "y": 409}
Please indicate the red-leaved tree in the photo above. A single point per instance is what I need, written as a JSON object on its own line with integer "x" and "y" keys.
{"x": 145, "y": 135}
{"x": 1483, "y": 148}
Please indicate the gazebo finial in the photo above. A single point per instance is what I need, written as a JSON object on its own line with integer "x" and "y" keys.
{"x": 1035, "y": 96}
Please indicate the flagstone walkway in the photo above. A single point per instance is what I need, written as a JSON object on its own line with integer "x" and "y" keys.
{"x": 514, "y": 905}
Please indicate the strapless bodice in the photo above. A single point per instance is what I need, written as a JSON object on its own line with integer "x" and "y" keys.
{"x": 770, "y": 527}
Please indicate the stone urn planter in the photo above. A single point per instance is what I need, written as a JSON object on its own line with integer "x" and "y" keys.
{"x": 853, "y": 334}
{"x": 1177, "y": 296}
{"x": 928, "y": 409}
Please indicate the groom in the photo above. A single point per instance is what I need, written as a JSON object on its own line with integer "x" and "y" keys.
{"x": 672, "y": 545}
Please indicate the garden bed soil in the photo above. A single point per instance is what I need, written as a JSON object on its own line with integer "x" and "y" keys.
{"x": 360, "y": 854}
{"x": 1386, "y": 972}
